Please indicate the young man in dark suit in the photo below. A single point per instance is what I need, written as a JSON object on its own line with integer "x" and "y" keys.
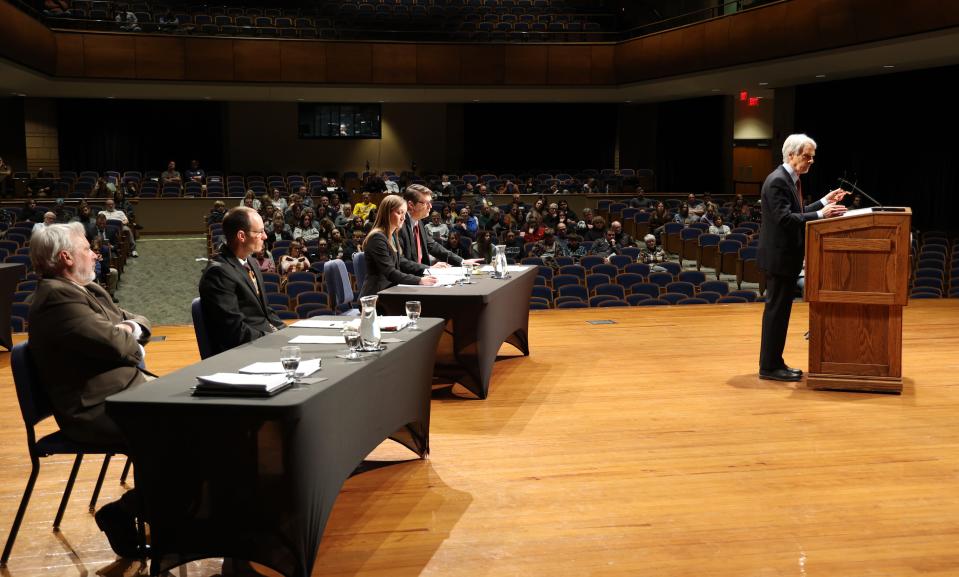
{"x": 781, "y": 248}
{"x": 419, "y": 200}
{"x": 231, "y": 290}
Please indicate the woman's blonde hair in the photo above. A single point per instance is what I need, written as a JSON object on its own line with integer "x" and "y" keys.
{"x": 389, "y": 203}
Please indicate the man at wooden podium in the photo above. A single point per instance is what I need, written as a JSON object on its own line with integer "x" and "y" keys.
{"x": 781, "y": 248}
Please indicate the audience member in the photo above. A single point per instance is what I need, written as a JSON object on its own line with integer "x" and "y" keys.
{"x": 111, "y": 212}
{"x": 48, "y": 219}
{"x": 710, "y": 215}
{"x": 718, "y": 227}
{"x": 57, "y": 8}
{"x": 575, "y": 247}
{"x": 264, "y": 261}
{"x": 684, "y": 217}
{"x": 482, "y": 249}
{"x": 5, "y": 173}
{"x": 658, "y": 219}
{"x": 623, "y": 239}
{"x": 171, "y": 175}
{"x": 294, "y": 260}
{"x": 353, "y": 244}
{"x": 336, "y": 243}
{"x": 232, "y": 298}
{"x": 322, "y": 252}
{"x": 363, "y": 208}
{"x": 105, "y": 233}
{"x": 605, "y": 246}
{"x": 651, "y": 253}
{"x": 548, "y": 248}
{"x": 217, "y": 211}
{"x": 195, "y": 173}
{"x": 306, "y": 231}
{"x": 598, "y": 229}
{"x": 106, "y": 275}
{"x": 696, "y": 206}
{"x": 514, "y": 246}
{"x": 127, "y": 21}
{"x": 437, "y": 229}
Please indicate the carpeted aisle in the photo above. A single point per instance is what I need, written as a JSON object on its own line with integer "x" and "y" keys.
{"x": 162, "y": 282}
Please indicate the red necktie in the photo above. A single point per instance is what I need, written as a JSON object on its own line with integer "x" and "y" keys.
{"x": 799, "y": 192}
{"x": 419, "y": 246}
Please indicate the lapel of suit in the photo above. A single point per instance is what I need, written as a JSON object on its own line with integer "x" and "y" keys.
{"x": 793, "y": 191}
{"x": 94, "y": 294}
{"x": 233, "y": 262}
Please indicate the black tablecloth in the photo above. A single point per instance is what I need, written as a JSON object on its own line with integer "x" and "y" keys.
{"x": 10, "y": 275}
{"x": 483, "y": 316}
{"x": 255, "y": 479}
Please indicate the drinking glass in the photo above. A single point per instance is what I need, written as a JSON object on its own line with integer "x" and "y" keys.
{"x": 351, "y": 335}
{"x": 413, "y": 309}
{"x": 467, "y": 273}
{"x": 290, "y": 359}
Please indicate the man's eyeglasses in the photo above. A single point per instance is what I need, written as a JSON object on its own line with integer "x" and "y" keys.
{"x": 809, "y": 157}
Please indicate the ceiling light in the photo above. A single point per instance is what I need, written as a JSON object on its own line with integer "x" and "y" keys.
{"x": 820, "y": 76}
{"x": 764, "y": 84}
{"x": 888, "y": 66}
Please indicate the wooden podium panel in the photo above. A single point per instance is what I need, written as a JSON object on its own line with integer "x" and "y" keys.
{"x": 857, "y": 275}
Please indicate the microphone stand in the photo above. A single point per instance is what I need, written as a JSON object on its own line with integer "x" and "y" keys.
{"x": 879, "y": 207}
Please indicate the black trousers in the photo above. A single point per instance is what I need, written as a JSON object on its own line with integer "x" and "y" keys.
{"x": 780, "y": 292}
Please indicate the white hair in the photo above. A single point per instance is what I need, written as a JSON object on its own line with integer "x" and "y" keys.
{"x": 794, "y": 144}
{"x": 648, "y": 238}
{"x": 47, "y": 243}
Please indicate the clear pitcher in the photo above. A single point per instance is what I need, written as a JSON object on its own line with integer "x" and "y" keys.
{"x": 369, "y": 328}
{"x": 499, "y": 261}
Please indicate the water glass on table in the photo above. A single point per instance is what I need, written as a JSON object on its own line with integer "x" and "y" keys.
{"x": 351, "y": 335}
{"x": 290, "y": 359}
{"x": 467, "y": 273}
{"x": 413, "y": 310}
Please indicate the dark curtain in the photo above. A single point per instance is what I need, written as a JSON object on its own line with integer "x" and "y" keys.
{"x": 894, "y": 135}
{"x": 139, "y": 134}
{"x": 531, "y": 137}
{"x": 689, "y": 143}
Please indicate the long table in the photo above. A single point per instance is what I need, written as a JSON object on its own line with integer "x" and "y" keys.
{"x": 256, "y": 479}
{"x": 483, "y": 316}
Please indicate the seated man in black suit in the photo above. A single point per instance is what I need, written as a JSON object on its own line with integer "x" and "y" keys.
{"x": 416, "y": 245}
{"x": 231, "y": 296}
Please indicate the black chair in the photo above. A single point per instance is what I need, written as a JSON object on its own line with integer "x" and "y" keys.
{"x": 199, "y": 327}
{"x": 35, "y": 407}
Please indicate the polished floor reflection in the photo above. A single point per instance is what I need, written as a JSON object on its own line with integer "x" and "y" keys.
{"x": 644, "y": 447}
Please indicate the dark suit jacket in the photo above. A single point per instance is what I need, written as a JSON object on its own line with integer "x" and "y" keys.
{"x": 782, "y": 237}
{"x": 429, "y": 246}
{"x": 232, "y": 311}
{"x": 112, "y": 234}
{"x": 82, "y": 357}
{"x": 386, "y": 268}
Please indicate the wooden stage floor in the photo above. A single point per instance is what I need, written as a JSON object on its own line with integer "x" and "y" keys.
{"x": 644, "y": 447}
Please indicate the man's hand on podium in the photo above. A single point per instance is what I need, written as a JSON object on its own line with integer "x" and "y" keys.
{"x": 833, "y": 209}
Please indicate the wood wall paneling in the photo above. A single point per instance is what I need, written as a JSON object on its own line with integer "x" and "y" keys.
{"x": 672, "y": 57}
{"x": 209, "y": 59}
{"x": 109, "y": 55}
{"x": 603, "y": 68}
{"x": 836, "y": 24}
{"x": 438, "y": 64}
{"x": 394, "y": 63}
{"x": 482, "y": 64}
{"x": 349, "y": 63}
{"x": 256, "y": 60}
{"x": 69, "y": 54}
{"x": 526, "y": 64}
{"x": 160, "y": 57}
{"x": 627, "y": 61}
{"x": 650, "y": 62}
{"x": 569, "y": 65}
{"x": 716, "y": 52}
{"x": 26, "y": 40}
{"x": 303, "y": 61}
{"x": 693, "y": 46}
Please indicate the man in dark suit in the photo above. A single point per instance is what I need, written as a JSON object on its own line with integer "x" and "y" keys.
{"x": 231, "y": 290}
{"x": 419, "y": 201}
{"x": 781, "y": 248}
{"x": 86, "y": 349}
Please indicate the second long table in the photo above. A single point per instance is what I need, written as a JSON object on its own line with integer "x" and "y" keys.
{"x": 483, "y": 316}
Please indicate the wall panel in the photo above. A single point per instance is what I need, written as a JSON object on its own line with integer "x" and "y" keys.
{"x": 394, "y": 63}
{"x": 526, "y": 64}
{"x": 209, "y": 59}
{"x": 603, "y": 69}
{"x": 109, "y": 56}
{"x": 349, "y": 63}
{"x": 256, "y": 60}
{"x": 69, "y": 54}
{"x": 160, "y": 57}
{"x": 302, "y": 61}
{"x": 438, "y": 64}
{"x": 482, "y": 64}
{"x": 569, "y": 65}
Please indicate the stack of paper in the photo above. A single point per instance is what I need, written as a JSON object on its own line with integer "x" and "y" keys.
{"x": 241, "y": 385}
{"x": 305, "y": 369}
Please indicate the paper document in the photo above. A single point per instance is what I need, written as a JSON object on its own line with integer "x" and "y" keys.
{"x": 394, "y": 323}
{"x": 445, "y": 280}
{"x": 317, "y": 340}
{"x": 237, "y": 381}
{"x": 306, "y": 368}
{"x": 857, "y": 211}
{"x": 318, "y": 324}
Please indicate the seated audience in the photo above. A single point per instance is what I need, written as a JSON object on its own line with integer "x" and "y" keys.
{"x": 459, "y": 245}
{"x": 264, "y": 260}
{"x": 548, "y": 248}
{"x": 195, "y": 173}
{"x": 306, "y": 230}
{"x": 482, "y": 249}
{"x": 294, "y": 260}
{"x": 111, "y": 212}
{"x": 354, "y": 244}
{"x": 106, "y": 275}
{"x": 322, "y": 252}
{"x": 171, "y": 175}
{"x": 623, "y": 239}
{"x": 48, "y": 219}
{"x": 534, "y": 229}
{"x": 658, "y": 219}
{"x": 598, "y": 229}
{"x": 217, "y": 211}
{"x": 575, "y": 248}
{"x": 437, "y": 229}
{"x": 651, "y": 253}
{"x": 718, "y": 227}
{"x": 127, "y": 20}
{"x": 514, "y": 246}
{"x": 606, "y": 246}
{"x": 336, "y": 243}
{"x": 363, "y": 208}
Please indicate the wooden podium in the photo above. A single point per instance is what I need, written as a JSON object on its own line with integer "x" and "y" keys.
{"x": 857, "y": 279}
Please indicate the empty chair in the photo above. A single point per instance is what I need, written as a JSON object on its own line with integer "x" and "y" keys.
{"x": 589, "y": 261}
{"x": 689, "y": 243}
{"x": 614, "y": 303}
{"x": 576, "y": 304}
{"x": 709, "y": 296}
{"x": 307, "y": 310}
{"x": 560, "y": 300}
{"x": 620, "y": 261}
{"x": 686, "y": 288}
{"x": 607, "y": 269}
{"x": 707, "y": 250}
{"x": 638, "y": 268}
{"x": 278, "y": 300}
{"x": 660, "y": 278}
{"x": 543, "y": 292}
{"x": 692, "y": 276}
{"x": 749, "y": 295}
{"x": 614, "y": 290}
{"x": 294, "y": 289}
{"x": 653, "y": 302}
{"x": 597, "y": 300}
{"x": 572, "y": 290}
{"x": 594, "y": 280}
{"x": 628, "y": 279}
{"x": 573, "y": 269}
{"x": 673, "y": 298}
{"x": 693, "y": 301}
{"x": 538, "y": 304}
{"x": 727, "y": 256}
{"x": 636, "y": 298}
{"x": 674, "y": 268}
{"x": 561, "y": 280}
{"x": 716, "y": 286}
{"x": 928, "y": 282}
{"x": 730, "y": 299}
{"x": 337, "y": 280}
{"x": 646, "y": 288}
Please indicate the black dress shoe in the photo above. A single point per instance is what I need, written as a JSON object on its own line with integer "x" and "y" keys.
{"x": 797, "y": 372}
{"x": 778, "y": 375}
{"x": 120, "y": 528}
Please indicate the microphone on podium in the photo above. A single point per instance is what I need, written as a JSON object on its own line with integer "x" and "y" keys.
{"x": 853, "y": 186}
